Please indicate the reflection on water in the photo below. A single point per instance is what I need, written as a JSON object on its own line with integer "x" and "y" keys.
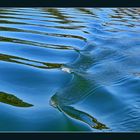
{"x": 84, "y": 61}
{"x": 12, "y": 100}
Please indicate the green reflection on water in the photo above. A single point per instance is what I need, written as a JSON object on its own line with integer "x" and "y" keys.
{"x": 19, "y": 60}
{"x": 13, "y": 100}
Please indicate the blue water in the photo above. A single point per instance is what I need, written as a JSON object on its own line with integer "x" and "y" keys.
{"x": 70, "y": 69}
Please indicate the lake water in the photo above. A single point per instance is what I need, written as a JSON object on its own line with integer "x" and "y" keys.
{"x": 70, "y": 69}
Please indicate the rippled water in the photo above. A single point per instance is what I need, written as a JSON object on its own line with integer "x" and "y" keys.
{"x": 70, "y": 69}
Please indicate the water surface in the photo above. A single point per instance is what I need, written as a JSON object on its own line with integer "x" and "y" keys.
{"x": 68, "y": 69}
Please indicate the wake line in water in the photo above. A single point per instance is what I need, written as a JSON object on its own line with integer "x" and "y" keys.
{"x": 80, "y": 115}
{"x": 91, "y": 77}
{"x": 78, "y": 89}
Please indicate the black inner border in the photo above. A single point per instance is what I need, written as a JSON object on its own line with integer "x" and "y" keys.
{"x": 69, "y": 3}
{"x": 71, "y": 136}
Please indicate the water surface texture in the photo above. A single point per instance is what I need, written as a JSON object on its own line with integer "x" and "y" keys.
{"x": 70, "y": 69}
